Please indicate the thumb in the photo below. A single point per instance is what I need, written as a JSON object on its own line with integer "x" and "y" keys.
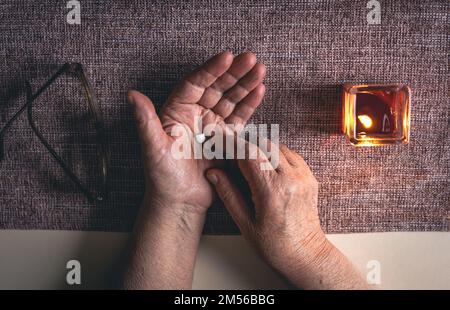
{"x": 231, "y": 197}
{"x": 149, "y": 126}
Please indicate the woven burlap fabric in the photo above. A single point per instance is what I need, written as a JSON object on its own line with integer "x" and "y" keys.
{"x": 310, "y": 49}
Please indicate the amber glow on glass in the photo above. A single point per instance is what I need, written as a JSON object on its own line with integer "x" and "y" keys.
{"x": 376, "y": 114}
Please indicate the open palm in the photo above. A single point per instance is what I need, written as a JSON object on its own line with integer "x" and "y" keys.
{"x": 224, "y": 90}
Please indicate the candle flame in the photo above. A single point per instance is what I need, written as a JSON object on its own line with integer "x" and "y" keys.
{"x": 365, "y": 120}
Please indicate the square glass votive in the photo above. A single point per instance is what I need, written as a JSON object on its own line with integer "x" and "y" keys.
{"x": 376, "y": 114}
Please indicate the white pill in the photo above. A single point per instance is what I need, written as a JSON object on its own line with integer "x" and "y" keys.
{"x": 200, "y": 138}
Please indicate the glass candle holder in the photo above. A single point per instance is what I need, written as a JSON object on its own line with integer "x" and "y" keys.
{"x": 376, "y": 114}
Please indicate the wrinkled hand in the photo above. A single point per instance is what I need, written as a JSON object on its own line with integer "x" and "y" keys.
{"x": 285, "y": 222}
{"x": 223, "y": 90}
{"x": 285, "y": 226}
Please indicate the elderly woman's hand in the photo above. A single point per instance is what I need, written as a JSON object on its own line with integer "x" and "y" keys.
{"x": 284, "y": 224}
{"x": 224, "y": 90}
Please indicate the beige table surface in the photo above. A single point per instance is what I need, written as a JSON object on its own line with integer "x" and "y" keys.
{"x": 37, "y": 259}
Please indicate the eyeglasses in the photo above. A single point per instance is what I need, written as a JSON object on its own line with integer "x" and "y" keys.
{"x": 94, "y": 114}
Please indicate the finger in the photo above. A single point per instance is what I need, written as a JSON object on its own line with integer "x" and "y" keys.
{"x": 242, "y": 64}
{"x": 245, "y": 85}
{"x": 193, "y": 86}
{"x": 291, "y": 156}
{"x": 273, "y": 153}
{"x": 150, "y": 130}
{"x": 251, "y": 160}
{"x": 245, "y": 109}
{"x": 287, "y": 154}
{"x": 231, "y": 197}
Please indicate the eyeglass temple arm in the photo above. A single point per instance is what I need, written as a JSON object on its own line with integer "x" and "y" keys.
{"x": 61, "y": 162}
{"x": 29, "y": 101}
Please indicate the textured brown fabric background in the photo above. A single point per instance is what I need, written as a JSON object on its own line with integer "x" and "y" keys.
{"x": 310, "y": 49}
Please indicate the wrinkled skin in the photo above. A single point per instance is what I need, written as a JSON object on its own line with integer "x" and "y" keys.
{"x": 285, "y": 227}
{"x": 286, "y": 218}
{"x": 223, "y": 90}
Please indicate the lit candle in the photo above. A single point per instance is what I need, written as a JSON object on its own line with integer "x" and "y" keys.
{"x": 376, "y": 114}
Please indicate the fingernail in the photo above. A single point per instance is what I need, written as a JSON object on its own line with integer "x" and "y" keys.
{"x": 212, "y": 178}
